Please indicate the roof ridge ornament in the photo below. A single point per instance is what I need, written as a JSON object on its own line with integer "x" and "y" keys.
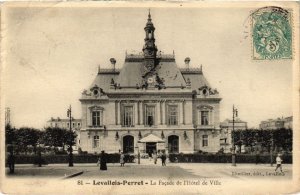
{"x": 149, "y": 15}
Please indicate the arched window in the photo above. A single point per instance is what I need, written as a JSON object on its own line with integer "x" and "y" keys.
{"x": 128, "y": 144}
{"x": 173, "y": 144}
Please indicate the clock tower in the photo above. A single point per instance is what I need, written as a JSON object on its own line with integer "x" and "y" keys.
{"x": 149, "y": 48}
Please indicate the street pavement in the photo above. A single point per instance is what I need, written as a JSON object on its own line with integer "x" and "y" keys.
{"x": 147, "y": 169}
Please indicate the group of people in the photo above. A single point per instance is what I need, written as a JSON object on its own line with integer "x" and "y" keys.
{"x": 102, "y": 160}
{"x": 156, "y": 155}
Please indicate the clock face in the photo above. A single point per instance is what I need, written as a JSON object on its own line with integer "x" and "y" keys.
{"x": 150, "y": 80}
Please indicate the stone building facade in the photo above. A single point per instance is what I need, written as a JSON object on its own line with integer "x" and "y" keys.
{"x": 278, "y": 123}
{"x": 64, "y": 123}
{"x": 150, "y": 104}
{"x": 238, "y": 124}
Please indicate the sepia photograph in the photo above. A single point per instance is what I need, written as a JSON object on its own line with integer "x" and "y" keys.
{"x": 150, "y": 98}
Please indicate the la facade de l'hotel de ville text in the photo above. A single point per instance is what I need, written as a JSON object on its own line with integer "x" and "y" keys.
{"x": 151, "y": 104}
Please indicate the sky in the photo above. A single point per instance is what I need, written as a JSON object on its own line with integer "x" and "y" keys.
{"x": 52, "y": 54}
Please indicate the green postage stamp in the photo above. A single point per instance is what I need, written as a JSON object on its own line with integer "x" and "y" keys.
{"x": 271, "y": 34}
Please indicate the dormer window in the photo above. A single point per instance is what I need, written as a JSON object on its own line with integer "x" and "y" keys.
{"x": 95, "y": 92}
{"x": 204, "y": 90}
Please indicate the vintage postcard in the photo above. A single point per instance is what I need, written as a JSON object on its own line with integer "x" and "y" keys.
{"x": 150, "y": 98}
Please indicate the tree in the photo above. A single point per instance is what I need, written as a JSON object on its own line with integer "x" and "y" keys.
{"x": 25, "y": 137}
{"x": 282, "y": 138}
{"x": 58, "y": 137}
{"x": 69, "y": 137}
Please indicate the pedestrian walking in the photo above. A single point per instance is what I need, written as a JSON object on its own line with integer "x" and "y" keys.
{"x": 122, "y": 159}
{"x": 278, "y": 162}
{"x": 163, "y": 159}
{"x": 154, "y": 157}
{"x": 11, "y": 163}
{"x": 103, "y": 161}
{"x": 150, "y": 155}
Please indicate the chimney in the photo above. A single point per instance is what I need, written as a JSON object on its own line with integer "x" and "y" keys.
{"x": 113, "y": 63}
{"x": 187, "y": 62}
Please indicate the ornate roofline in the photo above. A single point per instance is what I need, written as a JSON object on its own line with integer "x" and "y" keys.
{"x": 191, "y": 70}
{"x": 109, "y": 71}
{"x": 141, "y": 58}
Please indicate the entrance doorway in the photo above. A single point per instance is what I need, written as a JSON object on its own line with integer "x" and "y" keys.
{"x": 128, "y": 144}
{"x": 173, "y": 144}
{"x": 150, "y": 147}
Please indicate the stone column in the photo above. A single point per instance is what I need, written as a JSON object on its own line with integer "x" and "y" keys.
{"x": 119, "y": 113}
{"x": 211, "y": 117}
{"x": 141, "y": 113}
{"x": 163, "y": 112}
{"x": 158, "y": 113}
{"x": 183, "y": 112}
{"x": 136, "y": 113}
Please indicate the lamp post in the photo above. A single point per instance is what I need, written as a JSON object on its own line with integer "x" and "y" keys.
{"x": 39, "y": 155}
{"x": 69, "y": 113}
{"x": 234, "y": 114}
{"x": 11, "y": 157}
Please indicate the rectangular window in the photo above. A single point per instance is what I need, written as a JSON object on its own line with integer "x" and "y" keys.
{"x": 73, "y": 125}
{"x": 96, "y": 141}
{"x": 127, "y": 116}
{"x": 78, "y": 124}
{"x": 68, "y": 124}
{"x": 150, "y": 113}
{"x": 204, "y": 118}
{"x": 204, "y": 140}
{"x": 96, "y": 118}
{"x": 173, "y": 115}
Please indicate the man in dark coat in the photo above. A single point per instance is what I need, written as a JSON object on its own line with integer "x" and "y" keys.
{"x": 11, "y": 163}
{"x": 103, "y": 161}
{"x": 163, "y": 159}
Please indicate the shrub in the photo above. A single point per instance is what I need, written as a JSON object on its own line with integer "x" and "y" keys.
{"x": 225, "y": 158}
{"x": 83, "y": 158}
{"x": 61, "y": 152}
